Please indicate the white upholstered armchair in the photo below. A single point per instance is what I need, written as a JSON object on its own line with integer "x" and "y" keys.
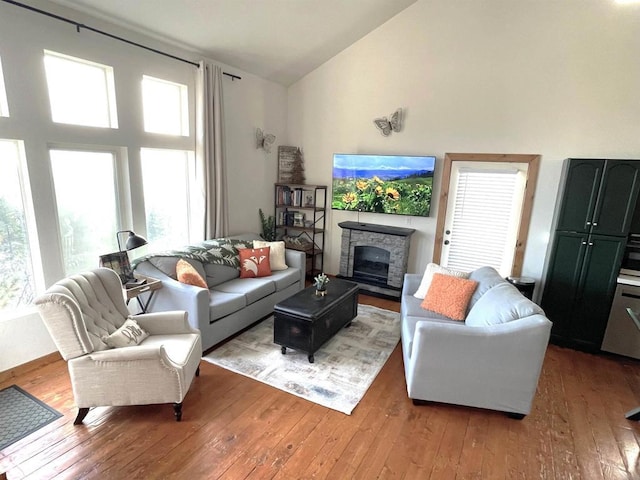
{"x": 86, "y": 314}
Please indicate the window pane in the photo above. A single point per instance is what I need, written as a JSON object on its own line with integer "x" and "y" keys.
{"x": 166, "y": 177}
{"x": 165, "y": 107}
{"x": 17, "y": 284}
{"x": 4, "y": 105}
{"x": 483, "y": 219}
{"x": 80, "y": 92}
{"x": 87, "y": 208}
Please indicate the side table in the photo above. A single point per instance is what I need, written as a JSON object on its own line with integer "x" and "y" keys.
{"x": 149, "y": 286}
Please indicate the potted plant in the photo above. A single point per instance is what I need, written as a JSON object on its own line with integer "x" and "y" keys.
{"x": 268, "y": 226}
{"x": 320, "y": 282}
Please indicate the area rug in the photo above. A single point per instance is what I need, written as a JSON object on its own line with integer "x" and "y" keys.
{"x": 343, "y": 369}
{"x": 22, "y": 414}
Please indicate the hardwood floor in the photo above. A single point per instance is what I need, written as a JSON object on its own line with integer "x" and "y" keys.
{"x": 236, "y": 428}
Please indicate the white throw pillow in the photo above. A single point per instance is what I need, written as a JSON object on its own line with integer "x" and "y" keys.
{"x": 428, "y": 276}
{"x": 276, "y": 255}
{"x": 128, "y": 335}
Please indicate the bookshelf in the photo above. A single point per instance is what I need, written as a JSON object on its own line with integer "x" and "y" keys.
{"x": 300, "y": 213}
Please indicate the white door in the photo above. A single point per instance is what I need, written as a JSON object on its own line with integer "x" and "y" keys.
{"x": 483, "y": 215}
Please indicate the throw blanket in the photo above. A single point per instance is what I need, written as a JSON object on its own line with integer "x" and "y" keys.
{"x": 221, "y": 251}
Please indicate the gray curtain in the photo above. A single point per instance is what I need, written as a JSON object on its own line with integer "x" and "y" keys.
{"x": 210, "y": 151}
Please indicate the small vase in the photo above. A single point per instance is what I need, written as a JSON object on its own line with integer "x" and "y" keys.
{"x": 321, "y": 292}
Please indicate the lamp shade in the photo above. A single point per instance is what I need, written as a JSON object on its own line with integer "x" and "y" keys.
{"x": 133, "y": 240}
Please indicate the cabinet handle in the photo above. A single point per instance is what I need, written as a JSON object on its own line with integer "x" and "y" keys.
{"x": 588, "y": 223}
{"x": 584, "y": 243}
{"x": 591, "y": 244}
{"x": 595, "y": 224}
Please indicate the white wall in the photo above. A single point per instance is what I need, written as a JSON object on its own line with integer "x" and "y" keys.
{"x": 249, "y": 103}
{"x": 559, "y": 79}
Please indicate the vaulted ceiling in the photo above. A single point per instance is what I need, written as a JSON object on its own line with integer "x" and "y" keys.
{"x": 279, "y": 40}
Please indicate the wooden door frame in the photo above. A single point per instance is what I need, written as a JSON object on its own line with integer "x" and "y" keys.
{"x": 533, "y": 162}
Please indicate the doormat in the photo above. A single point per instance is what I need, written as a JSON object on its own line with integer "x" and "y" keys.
{"x": 344, "y": 367}
{"x": 22, "y": 414}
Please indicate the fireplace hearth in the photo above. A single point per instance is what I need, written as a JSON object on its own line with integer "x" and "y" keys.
{"x": 375, "y": 256}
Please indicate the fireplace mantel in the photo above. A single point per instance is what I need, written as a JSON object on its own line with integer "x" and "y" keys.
{"x": 389, "y": 242}
{"x": 372, "y": 227}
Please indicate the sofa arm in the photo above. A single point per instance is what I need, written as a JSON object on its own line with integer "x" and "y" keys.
{"x": 176, "y": 295}
{"x": 496, "y": 366}
{"x": 297, "y": 259}
{"x": 411, "y": 283}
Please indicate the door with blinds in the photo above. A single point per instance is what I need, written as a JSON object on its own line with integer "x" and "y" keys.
{"x": 484, "y": 212}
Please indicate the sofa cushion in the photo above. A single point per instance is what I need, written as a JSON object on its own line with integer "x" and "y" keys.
{"x": 186, "y": 272}
{"x": 284, "y": 278}
{"x": 166, "y": 265}
{"x": 449, "y": 295}
{"x": 487, "y": 277}
{"x": 501, "y": 304}
{"x": 217, "y": 274}
{"x": 428, "y": 276}
{"x": 276, "y": 254}
{"x": 253, "y": 289}
{"x": 222, "y": 304}
{"x": 254, "y": 262}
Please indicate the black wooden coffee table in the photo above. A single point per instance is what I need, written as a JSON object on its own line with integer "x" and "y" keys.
{"x": 305, "y": 321}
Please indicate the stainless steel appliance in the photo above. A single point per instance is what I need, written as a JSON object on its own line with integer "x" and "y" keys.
{"x": 622, "y": 336}
{"x": 631, "y": 259}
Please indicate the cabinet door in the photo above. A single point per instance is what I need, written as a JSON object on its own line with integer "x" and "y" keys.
{"x": 580, "y": 195}
{"x": 563, "y": 280}
{"x": 596, "y": 288}
{"x": 617, "y": 197}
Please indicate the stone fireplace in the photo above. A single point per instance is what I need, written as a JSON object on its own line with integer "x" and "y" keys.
{"x": 375, "y": 256}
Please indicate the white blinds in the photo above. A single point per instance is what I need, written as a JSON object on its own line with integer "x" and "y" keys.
{"x": 483, "y": 221}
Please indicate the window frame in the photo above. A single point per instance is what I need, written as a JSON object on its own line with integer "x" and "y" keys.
{"x": 35, "y": 254}
{"x": 110, "y": 93}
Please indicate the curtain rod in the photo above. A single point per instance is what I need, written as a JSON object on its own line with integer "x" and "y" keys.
{"x": 106, "y": 34}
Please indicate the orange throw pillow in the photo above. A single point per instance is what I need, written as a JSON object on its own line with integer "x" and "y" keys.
{"x": 254, "y": 262}
{"x": 449, "y": 296}
{"x": 186, "y": 273}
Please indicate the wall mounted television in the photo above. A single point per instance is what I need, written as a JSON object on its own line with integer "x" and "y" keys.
{"x": 394, "y": 184}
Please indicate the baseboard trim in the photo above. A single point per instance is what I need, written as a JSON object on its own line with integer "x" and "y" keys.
{"x": 29, "y": 366}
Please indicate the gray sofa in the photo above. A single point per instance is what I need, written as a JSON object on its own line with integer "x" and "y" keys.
{"x": 491, "y": 360}
{"x": 231, "y": 303}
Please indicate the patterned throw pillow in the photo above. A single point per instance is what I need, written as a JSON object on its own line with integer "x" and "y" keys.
{"x": 277, "y": 256}
{"x": 128, "y": 335}
{"x": 428, "y": 275}
{"x": 254, "y": 262}
{"x": 186, "y": 273}
{"x": 449, "y": 296}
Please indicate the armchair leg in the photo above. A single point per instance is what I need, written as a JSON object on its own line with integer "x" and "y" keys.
{"x": 82, "y": 412}
{"x": 177, "y": 410}
{"x": 198, "y": 371}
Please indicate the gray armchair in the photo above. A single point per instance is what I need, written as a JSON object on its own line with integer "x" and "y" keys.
{"x": 80, "y": 311}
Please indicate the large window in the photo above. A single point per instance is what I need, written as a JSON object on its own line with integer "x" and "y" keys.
{"x": 86, "y": 200}
{"x": 4, "y": 105}
{"x": 80, "y": 92}
{"x": 168, "y": 178}
{"x": 166, "y": 108}
{"x": 17, "y": 283}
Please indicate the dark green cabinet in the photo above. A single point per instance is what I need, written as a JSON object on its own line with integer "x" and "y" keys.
{"x": 580, "y": 284}
{"x": 596, "y": 208}
{"x": 599, "y": 196}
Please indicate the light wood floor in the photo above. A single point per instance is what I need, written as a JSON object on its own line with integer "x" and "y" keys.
{"x": 236, "y": 428}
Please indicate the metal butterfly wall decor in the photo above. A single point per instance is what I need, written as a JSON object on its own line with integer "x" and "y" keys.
{"x": 387, "y": 126}
{"x": 264, "y": 140}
